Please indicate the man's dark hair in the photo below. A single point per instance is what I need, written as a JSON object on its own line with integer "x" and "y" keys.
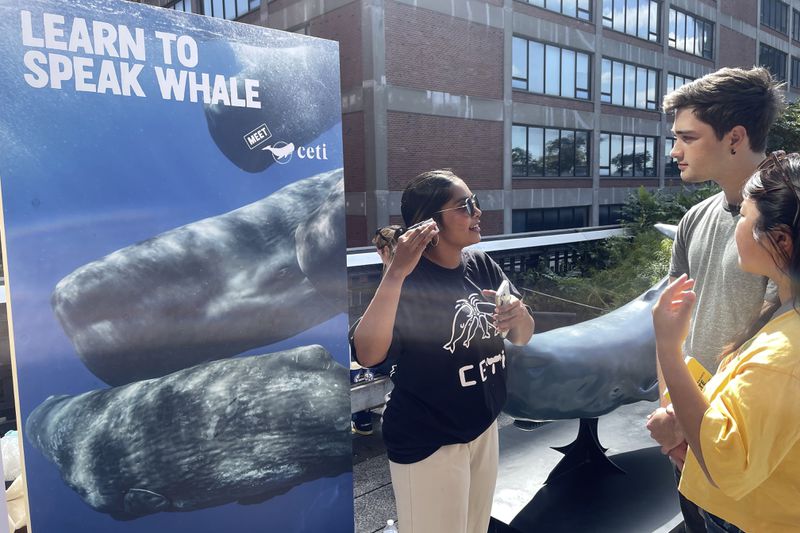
{"x": 733, "y": 97}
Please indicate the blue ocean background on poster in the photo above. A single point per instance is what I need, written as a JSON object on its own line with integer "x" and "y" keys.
{"x": 85, "y": 174}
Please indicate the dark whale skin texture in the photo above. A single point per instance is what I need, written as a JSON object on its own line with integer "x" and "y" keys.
{"x": 211, "y": 289}
{"x": 587, "y": 369}
{"x": 242, "y": 429}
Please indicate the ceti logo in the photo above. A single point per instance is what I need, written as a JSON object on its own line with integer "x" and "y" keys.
{"x": 282, "y": 152}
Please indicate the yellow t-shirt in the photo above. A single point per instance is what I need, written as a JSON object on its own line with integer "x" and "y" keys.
{"x": 750, "y": 434}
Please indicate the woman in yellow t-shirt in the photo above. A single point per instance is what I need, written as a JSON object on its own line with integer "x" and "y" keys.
{"x": 743, "y": 428}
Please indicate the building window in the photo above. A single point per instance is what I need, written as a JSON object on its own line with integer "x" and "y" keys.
{"x": 549, "y": 152}
{"x": 775, "y": 14}
{"x": 627, "y": 155}
{"x": 795, "y": 79}
{"x": 610, "y": 214}
{"x": 580, "y": 9}
{"x": 676, "y": 81}
{"x": 181, "y": 5}
{"x": 670, "y": 164}
{"x": 523, "y": 220}
{"x": 774, "y": 60}
{"x": 691, "y": 34}
{"x": 547, "y": 69}
{"x": 639, "y": 18}
{"x": 229, "y": 9}
{"x": 628, "y": 85}
{"x": 795, "y": 25}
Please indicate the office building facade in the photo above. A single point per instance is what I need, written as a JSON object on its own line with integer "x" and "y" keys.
{"x": 549, "y": 109}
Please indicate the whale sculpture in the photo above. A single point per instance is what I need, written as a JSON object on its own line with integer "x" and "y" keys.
{"x": 213, "y": 288}
{"x": 294, "y": 113}
{"x": 242, "y": 429}
{"x": 590, "y": 368}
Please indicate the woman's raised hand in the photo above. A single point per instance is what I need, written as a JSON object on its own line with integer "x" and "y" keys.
{"x": 409, "y": 249}
{"x": 673, "y": 312}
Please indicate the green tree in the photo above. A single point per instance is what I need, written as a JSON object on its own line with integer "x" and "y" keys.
{"x": 785, "y": 133}
{"x": 612, "y": 272}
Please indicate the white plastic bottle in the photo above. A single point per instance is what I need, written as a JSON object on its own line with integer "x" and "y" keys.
{"x": 390, "y": 527}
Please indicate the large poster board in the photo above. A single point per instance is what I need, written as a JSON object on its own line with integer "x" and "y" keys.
{"x": 173, "y": 212}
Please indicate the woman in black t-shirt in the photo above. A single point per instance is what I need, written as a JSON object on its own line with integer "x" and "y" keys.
{"x": 434, "y": 316}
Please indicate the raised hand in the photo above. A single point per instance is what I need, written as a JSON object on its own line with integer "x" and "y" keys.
{"x": 409, "y": 249}
{"x": 673, "y": 312}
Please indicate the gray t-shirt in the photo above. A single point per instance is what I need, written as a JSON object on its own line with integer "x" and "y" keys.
{"x": 728, "y": 299}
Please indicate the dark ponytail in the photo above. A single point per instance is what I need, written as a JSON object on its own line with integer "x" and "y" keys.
{"x": 774, "y": 189}
{"x": 426, "y": 194}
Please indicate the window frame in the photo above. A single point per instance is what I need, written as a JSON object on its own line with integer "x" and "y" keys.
{"x": 578, "y": 171}
{"x": 794, "y": 78}
{"x": 649, "y": 169}
{"x": 671, "y": 169}
{"x": 585, "y": 11}
{"x": 795, "y": 24}
{"x": 651, "y": 101}
{"x": 775, "y": 53}
{"x": 543, "y": 213}
{"x": 207, "y": 7}
{"x": 677, "y": 42}
{"x": 523, "y": 83}
{"x": 653, "y": 27}
{"x": 771, "y": 15}
{"x": 186, "y": 6}
{"x": 675, "y": 76}
{"x": 610, "y": 210}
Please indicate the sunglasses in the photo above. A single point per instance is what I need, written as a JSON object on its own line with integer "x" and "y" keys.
{"x": 470, "y": 204}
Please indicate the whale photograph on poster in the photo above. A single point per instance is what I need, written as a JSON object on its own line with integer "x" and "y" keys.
{"x": 174, "y": 244}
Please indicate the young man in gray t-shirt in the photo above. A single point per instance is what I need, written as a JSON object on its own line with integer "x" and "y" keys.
{"x": 720, "y": 124}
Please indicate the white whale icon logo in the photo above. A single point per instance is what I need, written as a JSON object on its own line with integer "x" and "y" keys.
{"x": 281, "y": 152}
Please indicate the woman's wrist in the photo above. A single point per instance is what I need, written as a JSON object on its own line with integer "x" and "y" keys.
{"x": 669, "y": 351}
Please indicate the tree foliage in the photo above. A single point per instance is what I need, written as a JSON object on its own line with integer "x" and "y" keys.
{"x": 612, "y": 272}
{"x": 785, "y": 133}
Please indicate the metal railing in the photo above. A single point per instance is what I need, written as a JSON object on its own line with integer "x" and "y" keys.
{"x": 516, "y": 254}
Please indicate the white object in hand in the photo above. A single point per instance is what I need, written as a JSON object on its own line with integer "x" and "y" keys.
{"x": 422, "y": 223}
{"x": 502, "y": 296}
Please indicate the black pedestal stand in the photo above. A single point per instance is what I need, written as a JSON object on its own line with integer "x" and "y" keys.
{"x": 585, "y": 450}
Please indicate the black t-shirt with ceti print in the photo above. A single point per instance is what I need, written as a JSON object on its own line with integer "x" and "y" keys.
{"x": 448, "y": 361}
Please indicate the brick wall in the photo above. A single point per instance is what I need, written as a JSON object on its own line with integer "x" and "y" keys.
{"x": 357, "y": 232}
{"x": 418, "y": 143}
{"x": 353, "y": 146}
{"x": 433, "y": 51}
{"x": 735, "y": 48}
{"x": 746, "y": 11}
{"x": 491, "y": 223}
{"x": 343, "y": 25}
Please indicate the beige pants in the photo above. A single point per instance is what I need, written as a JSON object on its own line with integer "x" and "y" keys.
{"x": 451, "y": 491}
